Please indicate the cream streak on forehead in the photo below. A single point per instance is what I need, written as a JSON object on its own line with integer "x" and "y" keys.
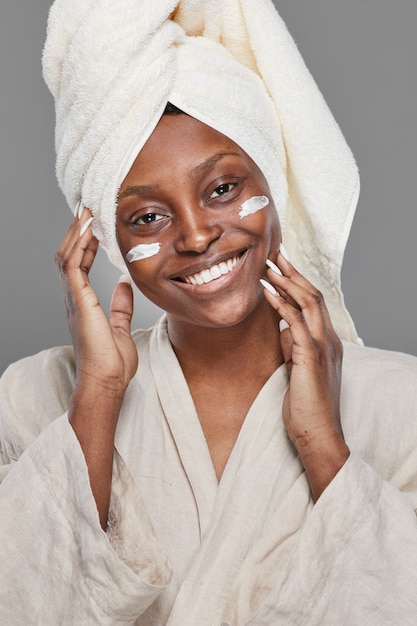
{"x": 143, "y": 251}
{"x": 253, "y": 205}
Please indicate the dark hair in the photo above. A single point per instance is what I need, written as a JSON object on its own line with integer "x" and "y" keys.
{"x": 171, "y": 109}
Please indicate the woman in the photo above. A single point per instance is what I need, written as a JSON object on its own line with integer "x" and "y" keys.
{"x": 221, "y": 468}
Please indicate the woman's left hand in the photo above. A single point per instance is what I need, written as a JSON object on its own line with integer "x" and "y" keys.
{"x": 313, "y": 354}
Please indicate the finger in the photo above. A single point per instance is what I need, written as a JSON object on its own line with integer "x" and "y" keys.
{"x": 74, "y": 259}
{"x": 77, "y": 251}
{"x": 305, "y": 350}
{"x": 121, "y": 306}
{"x": 74, "y": 230}
{"x": 302, "y": 340}
{"x": 284, "y": 267}
{"x": 301, "y": 294}
{"x": 79, "y": 209}
{"x": 89, "y": 254}
{"x": 286, "y": 343}
{"x": 293, "y": 274}
{"x": 68, "y": 240}
{"x": 74, "y": 268}
{"x": 288, "y": 270}
{"x": 273, "y": 272}
{"x": 81, "y": 215}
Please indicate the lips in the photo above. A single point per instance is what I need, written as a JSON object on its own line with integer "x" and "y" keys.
{"x": 211, "y": 273}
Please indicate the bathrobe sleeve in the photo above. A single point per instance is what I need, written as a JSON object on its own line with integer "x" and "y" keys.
{"x": 57, "y": 566}
{"x": 361, "y": 540}
{"x": 353, "y": 559}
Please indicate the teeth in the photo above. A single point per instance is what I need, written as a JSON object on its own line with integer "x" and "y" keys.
{"x": 206, "y": 276}
{"x": 216, "y": 271}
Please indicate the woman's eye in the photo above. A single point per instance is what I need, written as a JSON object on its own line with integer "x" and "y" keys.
{"x": 149, "y": 218}
{"x": 222, "y": 189}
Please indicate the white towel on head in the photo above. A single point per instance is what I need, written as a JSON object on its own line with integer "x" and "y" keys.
{"x": 232, "y": 64}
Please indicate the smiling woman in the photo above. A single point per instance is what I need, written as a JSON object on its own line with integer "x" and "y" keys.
{"x": 245, "y": 461}
{"x": 209, "y": 261}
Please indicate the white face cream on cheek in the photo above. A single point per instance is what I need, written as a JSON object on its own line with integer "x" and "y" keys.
{"x": 253, "y": 205}
{"x": 143, "y": 251}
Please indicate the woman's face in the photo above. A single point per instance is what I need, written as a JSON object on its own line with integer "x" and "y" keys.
{"x": 199, "y": 253}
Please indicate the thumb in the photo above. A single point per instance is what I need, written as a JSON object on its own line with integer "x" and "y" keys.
{"x": 121, "y": 306}
{"x": 286, "y": 343}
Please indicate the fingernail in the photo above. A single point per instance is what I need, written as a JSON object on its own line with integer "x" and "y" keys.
{"x": 81, "y": 209}
{"x": 268, "y": 287}
{"x": 283, "y": 325}
{"x": 273, "y": 267}
{"x": 85, "y": 226}
{"x": 284, "y": 252}
{"x": 77, "y": 209}
{"x": 125, "y": 278}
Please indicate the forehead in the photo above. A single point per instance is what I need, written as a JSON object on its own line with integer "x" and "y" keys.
{"x": 185, "y": 131}
{"x": 180, "y": 143}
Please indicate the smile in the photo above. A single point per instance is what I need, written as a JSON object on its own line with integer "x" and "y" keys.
{"x": 212, "y": 273}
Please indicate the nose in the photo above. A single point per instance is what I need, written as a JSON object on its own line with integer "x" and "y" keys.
{"x": 196, "y": 231}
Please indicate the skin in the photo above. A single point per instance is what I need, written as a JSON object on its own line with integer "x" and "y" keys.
{"x": 185, "y": 190}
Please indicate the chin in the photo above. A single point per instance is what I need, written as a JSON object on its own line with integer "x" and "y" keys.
{"x": 224, "y": 316}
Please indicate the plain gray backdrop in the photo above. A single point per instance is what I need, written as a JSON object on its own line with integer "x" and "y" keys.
{"x": 362, "y": 54}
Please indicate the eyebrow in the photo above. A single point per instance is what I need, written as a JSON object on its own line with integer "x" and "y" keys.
{"x": 195, "y": 172}
{"x": 138, "y": 190}
{"x": 205, "y": 166}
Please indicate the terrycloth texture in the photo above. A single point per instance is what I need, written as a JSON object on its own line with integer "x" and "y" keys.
{"x": 232, "y": 64}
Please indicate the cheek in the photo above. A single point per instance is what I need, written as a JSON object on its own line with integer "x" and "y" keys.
{"x": 133, "y": 252}
{"x": 273, "y": 222}
{"x": 252, "y": 206}
{"x": 143, "y": 251}
{"x": 122, "y": 239}
{"x": 144, "y": 274}
{"x": 274, "y": 229}
{"x": 264, "y": 223}
{"x": 259, "y": 212}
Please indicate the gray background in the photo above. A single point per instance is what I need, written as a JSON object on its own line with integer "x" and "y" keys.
{"x": 362, "y": 53}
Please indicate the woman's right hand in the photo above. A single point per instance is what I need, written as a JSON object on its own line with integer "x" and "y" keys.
{"x": 105, "y": 356}
{"x": 105, "y": 353}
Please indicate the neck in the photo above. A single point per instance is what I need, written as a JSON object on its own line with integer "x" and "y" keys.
{"x": 246, "y": 351}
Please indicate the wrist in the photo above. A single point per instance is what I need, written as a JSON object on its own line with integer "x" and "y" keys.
{"x": 322, "y": 459}
{"x": 95, "y": 407}
{"x": 100, "y": 388}
{"x": 93, "y": 415}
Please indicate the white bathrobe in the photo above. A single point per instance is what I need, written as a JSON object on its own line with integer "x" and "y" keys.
{"x": 183, "y": 550}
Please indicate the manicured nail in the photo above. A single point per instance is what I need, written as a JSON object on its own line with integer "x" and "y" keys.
{"x": 284, "y": 252}
{"x": 125, "y": 278}
{"x": 273, "y": 267}
{"x": 268, "y": 287}
{"x": 283, "y": 325}
{"x": 80, "y": 209}
{"x": 77, "y": 209}
{"x": 85, "y": 226}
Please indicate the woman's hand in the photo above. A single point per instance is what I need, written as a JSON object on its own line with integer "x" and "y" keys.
{"x": 313, "y": 354}
{"x": 105, "y": 355}
{"x": 104, "y": 350}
